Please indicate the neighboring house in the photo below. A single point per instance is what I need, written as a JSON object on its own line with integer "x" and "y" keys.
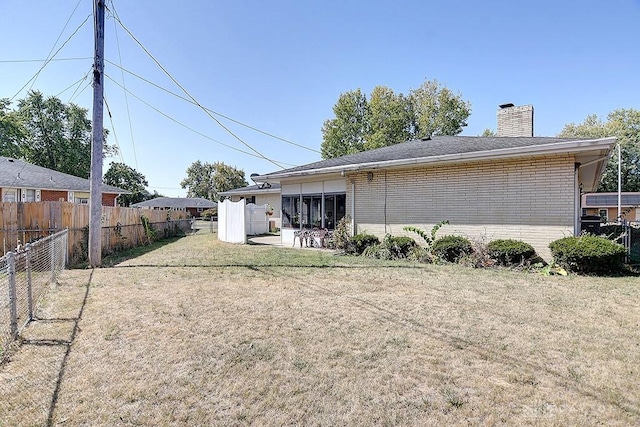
{"x": 194, "y": 205}
{"x": 519, "y": 187}
{"x": 262, "y": 194}
{"x": 23, "y": 182}
{"x": 605, "y": 205}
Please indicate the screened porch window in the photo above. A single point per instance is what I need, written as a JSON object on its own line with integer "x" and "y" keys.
{"x": 313, "y": 210}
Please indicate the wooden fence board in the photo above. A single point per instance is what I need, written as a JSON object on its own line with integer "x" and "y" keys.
{"x": 121, "y": 227}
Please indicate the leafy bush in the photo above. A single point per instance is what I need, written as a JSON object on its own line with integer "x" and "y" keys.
{"x": 391, "y": 248}
{"x": 509, "y": 252}
{"x": 588, "y": 254}
{"x": 342, "y": 234}
{"x": 428, "y": 237}
{"x": 615, "y": 232}
{"x": 360, "y": 242}
{"x": 452, "y": 248}
{"x": 209, "y": 214}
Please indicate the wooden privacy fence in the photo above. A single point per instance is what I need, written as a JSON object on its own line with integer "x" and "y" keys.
{"x": 122, "y": 228}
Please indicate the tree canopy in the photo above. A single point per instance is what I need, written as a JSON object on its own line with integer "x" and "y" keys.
{"x": 209, "y": 179}
{"x": 388, "y": 118}
{"x": 49, "y": 133}
{"x": 624, "y": 124}
{"x": 123, "y": 176}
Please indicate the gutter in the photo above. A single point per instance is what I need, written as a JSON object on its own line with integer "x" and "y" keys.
{"x": 502, "y": 153}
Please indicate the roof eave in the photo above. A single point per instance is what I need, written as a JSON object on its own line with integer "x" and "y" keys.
{"x": 503, "y": 153}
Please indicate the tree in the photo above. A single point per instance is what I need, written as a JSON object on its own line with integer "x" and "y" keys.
{"x": 49, "y": 133}
{"x": 438, "y": 111}
{"x": 11, "y": 131}
{"x": 388, "y": 118}
{"x": 123, "y": 176}
{"x": 624, "y": 124}
{"x": 208, "y": 180}
{"x": 488, "y": 132}
{"x": 345, "y": 134}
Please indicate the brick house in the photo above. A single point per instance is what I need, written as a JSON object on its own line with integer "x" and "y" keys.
{"x": 193, "y": 205}
{"x": 516, "y": 186}
{"x": 24, "y": 182}
{"x": 605, "y": 205}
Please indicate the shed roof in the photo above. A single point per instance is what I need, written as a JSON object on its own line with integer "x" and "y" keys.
{"x": 20, "y": 174}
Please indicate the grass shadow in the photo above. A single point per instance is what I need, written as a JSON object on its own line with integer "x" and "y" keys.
{"x": 118, "y": 257}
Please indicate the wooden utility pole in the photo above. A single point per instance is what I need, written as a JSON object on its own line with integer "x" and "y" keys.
{"x": 95, "y": 197}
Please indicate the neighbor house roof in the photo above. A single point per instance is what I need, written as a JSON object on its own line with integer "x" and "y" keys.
{"x": 456, "y": 149}
{"x": 176, "y": 203}
{"x": 252, "y": 189}
{"x": 610, "y": 200}
{"x": 16, "y": 173}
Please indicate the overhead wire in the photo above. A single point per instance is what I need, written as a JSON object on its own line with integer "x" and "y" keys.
{"x": 213, "y": 111}
{"x": 188, "y": 127}
{"x": 16, "y": 61}
{"x": 126, "y": 98}
{"x": 56, "y": 42}
{"x": 77, "y": 82}
{"x": 113, "y": 129}
{"x": 50, "y": 59}
{"x": 190, "y": 96}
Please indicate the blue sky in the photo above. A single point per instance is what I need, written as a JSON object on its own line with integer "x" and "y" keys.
{"x": 280, "y": 66}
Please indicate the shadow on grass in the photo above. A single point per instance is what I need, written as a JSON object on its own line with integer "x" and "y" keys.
{"x": 118, "y": 257}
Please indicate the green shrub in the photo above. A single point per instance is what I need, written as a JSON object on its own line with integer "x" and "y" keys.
{"x": 588, "y": 254}
{"x": 209, "y": 214}
{"x": 360, "y": 242}
{"x": 391, "y": 248}
{"x": 452, "y": 248}
{"x": 509, "y": 252}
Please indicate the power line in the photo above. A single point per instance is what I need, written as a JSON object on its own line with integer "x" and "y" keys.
{"x": 16, "y": 61}
{"x": 49, "y": 60}
{"x": 56, "y": 42}
{"x": 188, "y": 127}
{"x": 113, "y": 128}
{"x": 126, "y": 98}
{"x": 77, "y": 82}
{"x": 212, "y": 111}
{"x": 190, "y": 96}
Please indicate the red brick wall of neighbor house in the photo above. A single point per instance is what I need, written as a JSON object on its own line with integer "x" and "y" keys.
{"x": 53, "y": 196}
{"x": 108, "y": 199}
{"x": 194, "y": 212}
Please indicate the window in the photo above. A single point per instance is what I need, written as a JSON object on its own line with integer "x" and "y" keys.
{"x": 82, "y": 201}
{"x": 29, "y": 196}
{"x": 603, "y": 214}
{"x": 584, "y": 211}
{"x": 251, "y": 199}
{"x": 200, "y": 209}
{"x": 313, "y": 210}
{"x": 9, "y": 196}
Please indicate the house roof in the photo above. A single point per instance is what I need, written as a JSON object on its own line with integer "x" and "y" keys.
{"x": 252, "y": 189}
{"x": 16, "y": 173}
{"x": 610, "y": 200}
{"x": 176, "y": 202}
{"x": 457, "y": 149}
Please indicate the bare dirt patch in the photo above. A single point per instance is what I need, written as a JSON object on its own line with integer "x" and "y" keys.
{"x": 203, "y": 333}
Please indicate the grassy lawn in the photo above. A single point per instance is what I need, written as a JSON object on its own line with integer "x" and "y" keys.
{"x": 197, "y": 332}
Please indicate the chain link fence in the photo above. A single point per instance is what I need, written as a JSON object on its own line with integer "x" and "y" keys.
{"x": 24, "y": 278}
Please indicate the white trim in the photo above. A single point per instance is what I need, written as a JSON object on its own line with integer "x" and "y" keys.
{"x": 565, "y": 147}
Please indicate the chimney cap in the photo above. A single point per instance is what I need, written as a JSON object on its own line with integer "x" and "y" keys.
{"x": 507, "y": 105}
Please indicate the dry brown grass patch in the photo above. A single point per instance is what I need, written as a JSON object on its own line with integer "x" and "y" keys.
{"x": 249, "y": 335}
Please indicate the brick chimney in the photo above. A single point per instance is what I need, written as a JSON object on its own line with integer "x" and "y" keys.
{"x": 515, "y": 121}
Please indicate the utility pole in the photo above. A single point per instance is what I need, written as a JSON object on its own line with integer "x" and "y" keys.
{"x": 95, "y": 197}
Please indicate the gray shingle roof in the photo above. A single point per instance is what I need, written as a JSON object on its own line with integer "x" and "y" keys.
{"x": 437, "y": 146}
{"x": 252, "y": 189}
{"x": 611, "y": 199}
{"x": 176, "y": 202}
{"x": 19, "y": 174}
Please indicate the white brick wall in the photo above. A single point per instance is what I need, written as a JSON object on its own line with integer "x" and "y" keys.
{"x": 528, "y": 199}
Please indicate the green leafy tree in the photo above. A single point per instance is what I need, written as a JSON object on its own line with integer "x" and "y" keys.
{"x": 388, "y": 118}
{"x": 488, "y": 132}
{"x": 209, "y": 179}
{"x": 11, "y": 131}
{"x": 56, "y": 135}
{"x": 438, "y": 111}
{"x": 346, "y": 133}
{"x": 624, "y": 124}
{"x": 123, "y": 176}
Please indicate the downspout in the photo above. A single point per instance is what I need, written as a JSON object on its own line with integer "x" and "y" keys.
{"x": 353, "y": 207}
{"x": 577, "y": 200}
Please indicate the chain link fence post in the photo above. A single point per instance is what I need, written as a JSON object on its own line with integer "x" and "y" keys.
{"x": 29, "y": 283}
{"x": 52, "y": 255}
{"x": 13, "y": 300}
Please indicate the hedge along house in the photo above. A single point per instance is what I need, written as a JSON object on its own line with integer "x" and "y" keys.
{"x": 24, "y": 182}
{"x": 511, "y": 186}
